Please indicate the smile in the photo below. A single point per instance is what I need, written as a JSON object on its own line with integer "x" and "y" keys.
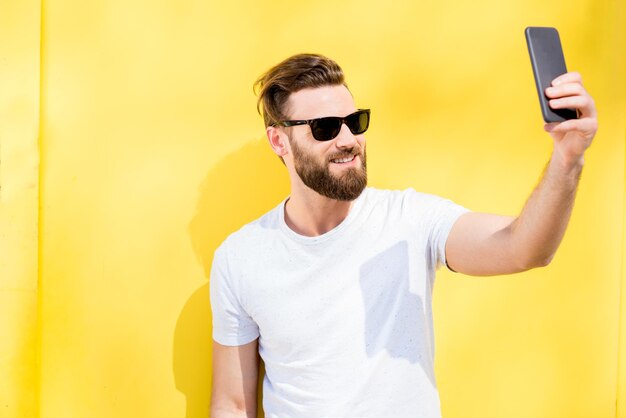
{"x": 343, "y": 160}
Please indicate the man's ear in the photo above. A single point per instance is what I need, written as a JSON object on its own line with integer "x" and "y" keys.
{"x": 278, "y": 140}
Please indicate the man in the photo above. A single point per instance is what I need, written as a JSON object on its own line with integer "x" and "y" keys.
{"x": 333, "y": 287}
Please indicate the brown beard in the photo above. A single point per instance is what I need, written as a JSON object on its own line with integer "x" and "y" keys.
{"x": 319, "y": 178}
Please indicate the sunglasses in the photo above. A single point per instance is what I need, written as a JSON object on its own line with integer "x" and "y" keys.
{"x": 325, "y": 129}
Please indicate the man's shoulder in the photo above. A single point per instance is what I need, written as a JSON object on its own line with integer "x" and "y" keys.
{"x": 410, "y": 205}
{"x": 251, "y": 233}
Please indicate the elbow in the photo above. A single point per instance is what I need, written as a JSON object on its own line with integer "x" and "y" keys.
{"x": 232, "y": 407}
{"x": 545, "y": 261}
{"x": 231, "y": 412}
{"x": 539, "y": 260}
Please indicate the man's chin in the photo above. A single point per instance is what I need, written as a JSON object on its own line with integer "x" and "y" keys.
{"x": 346, "y": 192}
{"x": 343, "y": 184}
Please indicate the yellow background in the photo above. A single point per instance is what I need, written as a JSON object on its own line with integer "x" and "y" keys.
{"x": 130, "y": 147}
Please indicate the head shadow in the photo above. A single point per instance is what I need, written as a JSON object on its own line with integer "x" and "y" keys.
{"x": 238, "y": 189}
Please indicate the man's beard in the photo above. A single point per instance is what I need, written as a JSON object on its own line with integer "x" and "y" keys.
{"x": 319, "y": 178}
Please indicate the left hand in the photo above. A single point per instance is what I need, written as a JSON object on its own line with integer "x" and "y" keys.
{"x": 574, "y": 136}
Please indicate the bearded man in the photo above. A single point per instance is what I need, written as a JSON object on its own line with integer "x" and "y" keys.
{"x": 333, "y": 287}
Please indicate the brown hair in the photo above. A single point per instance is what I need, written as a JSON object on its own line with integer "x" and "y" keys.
{"x": 291, "y": 75}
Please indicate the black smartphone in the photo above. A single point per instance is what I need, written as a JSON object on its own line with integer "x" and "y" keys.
{"x": 546, "y": 57}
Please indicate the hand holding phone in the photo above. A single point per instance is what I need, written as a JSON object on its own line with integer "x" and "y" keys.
{"x": 548, "y": 62}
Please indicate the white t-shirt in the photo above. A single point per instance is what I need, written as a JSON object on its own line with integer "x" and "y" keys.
{"x": 344, "y": 319}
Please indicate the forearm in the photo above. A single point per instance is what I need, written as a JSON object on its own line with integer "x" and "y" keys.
{"x": 539, "y": 229}
{"x": 484, "y": 244}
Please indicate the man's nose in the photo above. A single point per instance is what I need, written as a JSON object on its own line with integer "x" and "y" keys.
{"x": 345, "y": 139}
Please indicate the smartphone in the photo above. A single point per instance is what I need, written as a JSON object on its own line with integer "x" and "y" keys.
{"x": 546, "y": 57}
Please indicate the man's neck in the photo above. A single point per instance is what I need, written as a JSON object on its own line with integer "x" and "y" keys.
{"x": 310, "y": 214}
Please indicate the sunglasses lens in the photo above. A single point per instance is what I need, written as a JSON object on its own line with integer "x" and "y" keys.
{"x": 325, "y": 129}
{"x": 358, "y": 122}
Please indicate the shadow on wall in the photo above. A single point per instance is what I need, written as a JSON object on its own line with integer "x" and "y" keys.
{"x": 238, "y": 189}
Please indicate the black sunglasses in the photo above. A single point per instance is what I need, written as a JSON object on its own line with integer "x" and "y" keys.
{"x": 325, "y": 129}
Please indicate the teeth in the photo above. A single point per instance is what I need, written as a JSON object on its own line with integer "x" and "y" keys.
{"x": 343, "y": 160}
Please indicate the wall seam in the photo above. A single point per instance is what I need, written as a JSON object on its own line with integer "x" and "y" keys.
{"x": 617, "y": 71}
{"x": 39, "y": 219}
{"x": 621, "y": 285}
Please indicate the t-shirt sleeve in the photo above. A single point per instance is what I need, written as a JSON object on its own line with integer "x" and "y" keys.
{"x": 232, "y": 325}
{"x": 447, "y": 214}
{"x": 436, "y": 218}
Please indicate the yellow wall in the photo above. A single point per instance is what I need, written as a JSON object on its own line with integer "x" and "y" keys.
{"x": 19, "y": 188}
{"x": 152, "y": 152}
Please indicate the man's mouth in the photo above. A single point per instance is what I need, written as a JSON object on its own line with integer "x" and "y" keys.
{"x": 343, "y": 160}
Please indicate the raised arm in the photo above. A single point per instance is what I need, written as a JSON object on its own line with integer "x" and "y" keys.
{"x": 235, "y": 374}
{"x": 483, "y": 244}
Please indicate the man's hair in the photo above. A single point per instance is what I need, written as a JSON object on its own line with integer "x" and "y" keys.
{"x": 293, "y": 74}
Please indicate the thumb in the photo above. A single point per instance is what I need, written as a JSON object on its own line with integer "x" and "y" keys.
{"x": 549, "y": 127}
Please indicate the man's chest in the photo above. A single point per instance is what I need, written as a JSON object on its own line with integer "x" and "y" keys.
{"x": 323, "y": 305}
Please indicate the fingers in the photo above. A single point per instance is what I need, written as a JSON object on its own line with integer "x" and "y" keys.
{"x": 583, "y": 103}
{"x": 571, "y": 77}
{"x": 567, "y": 92}
{"x": 585, "y": 126}
{"x": 568, "y": 89}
